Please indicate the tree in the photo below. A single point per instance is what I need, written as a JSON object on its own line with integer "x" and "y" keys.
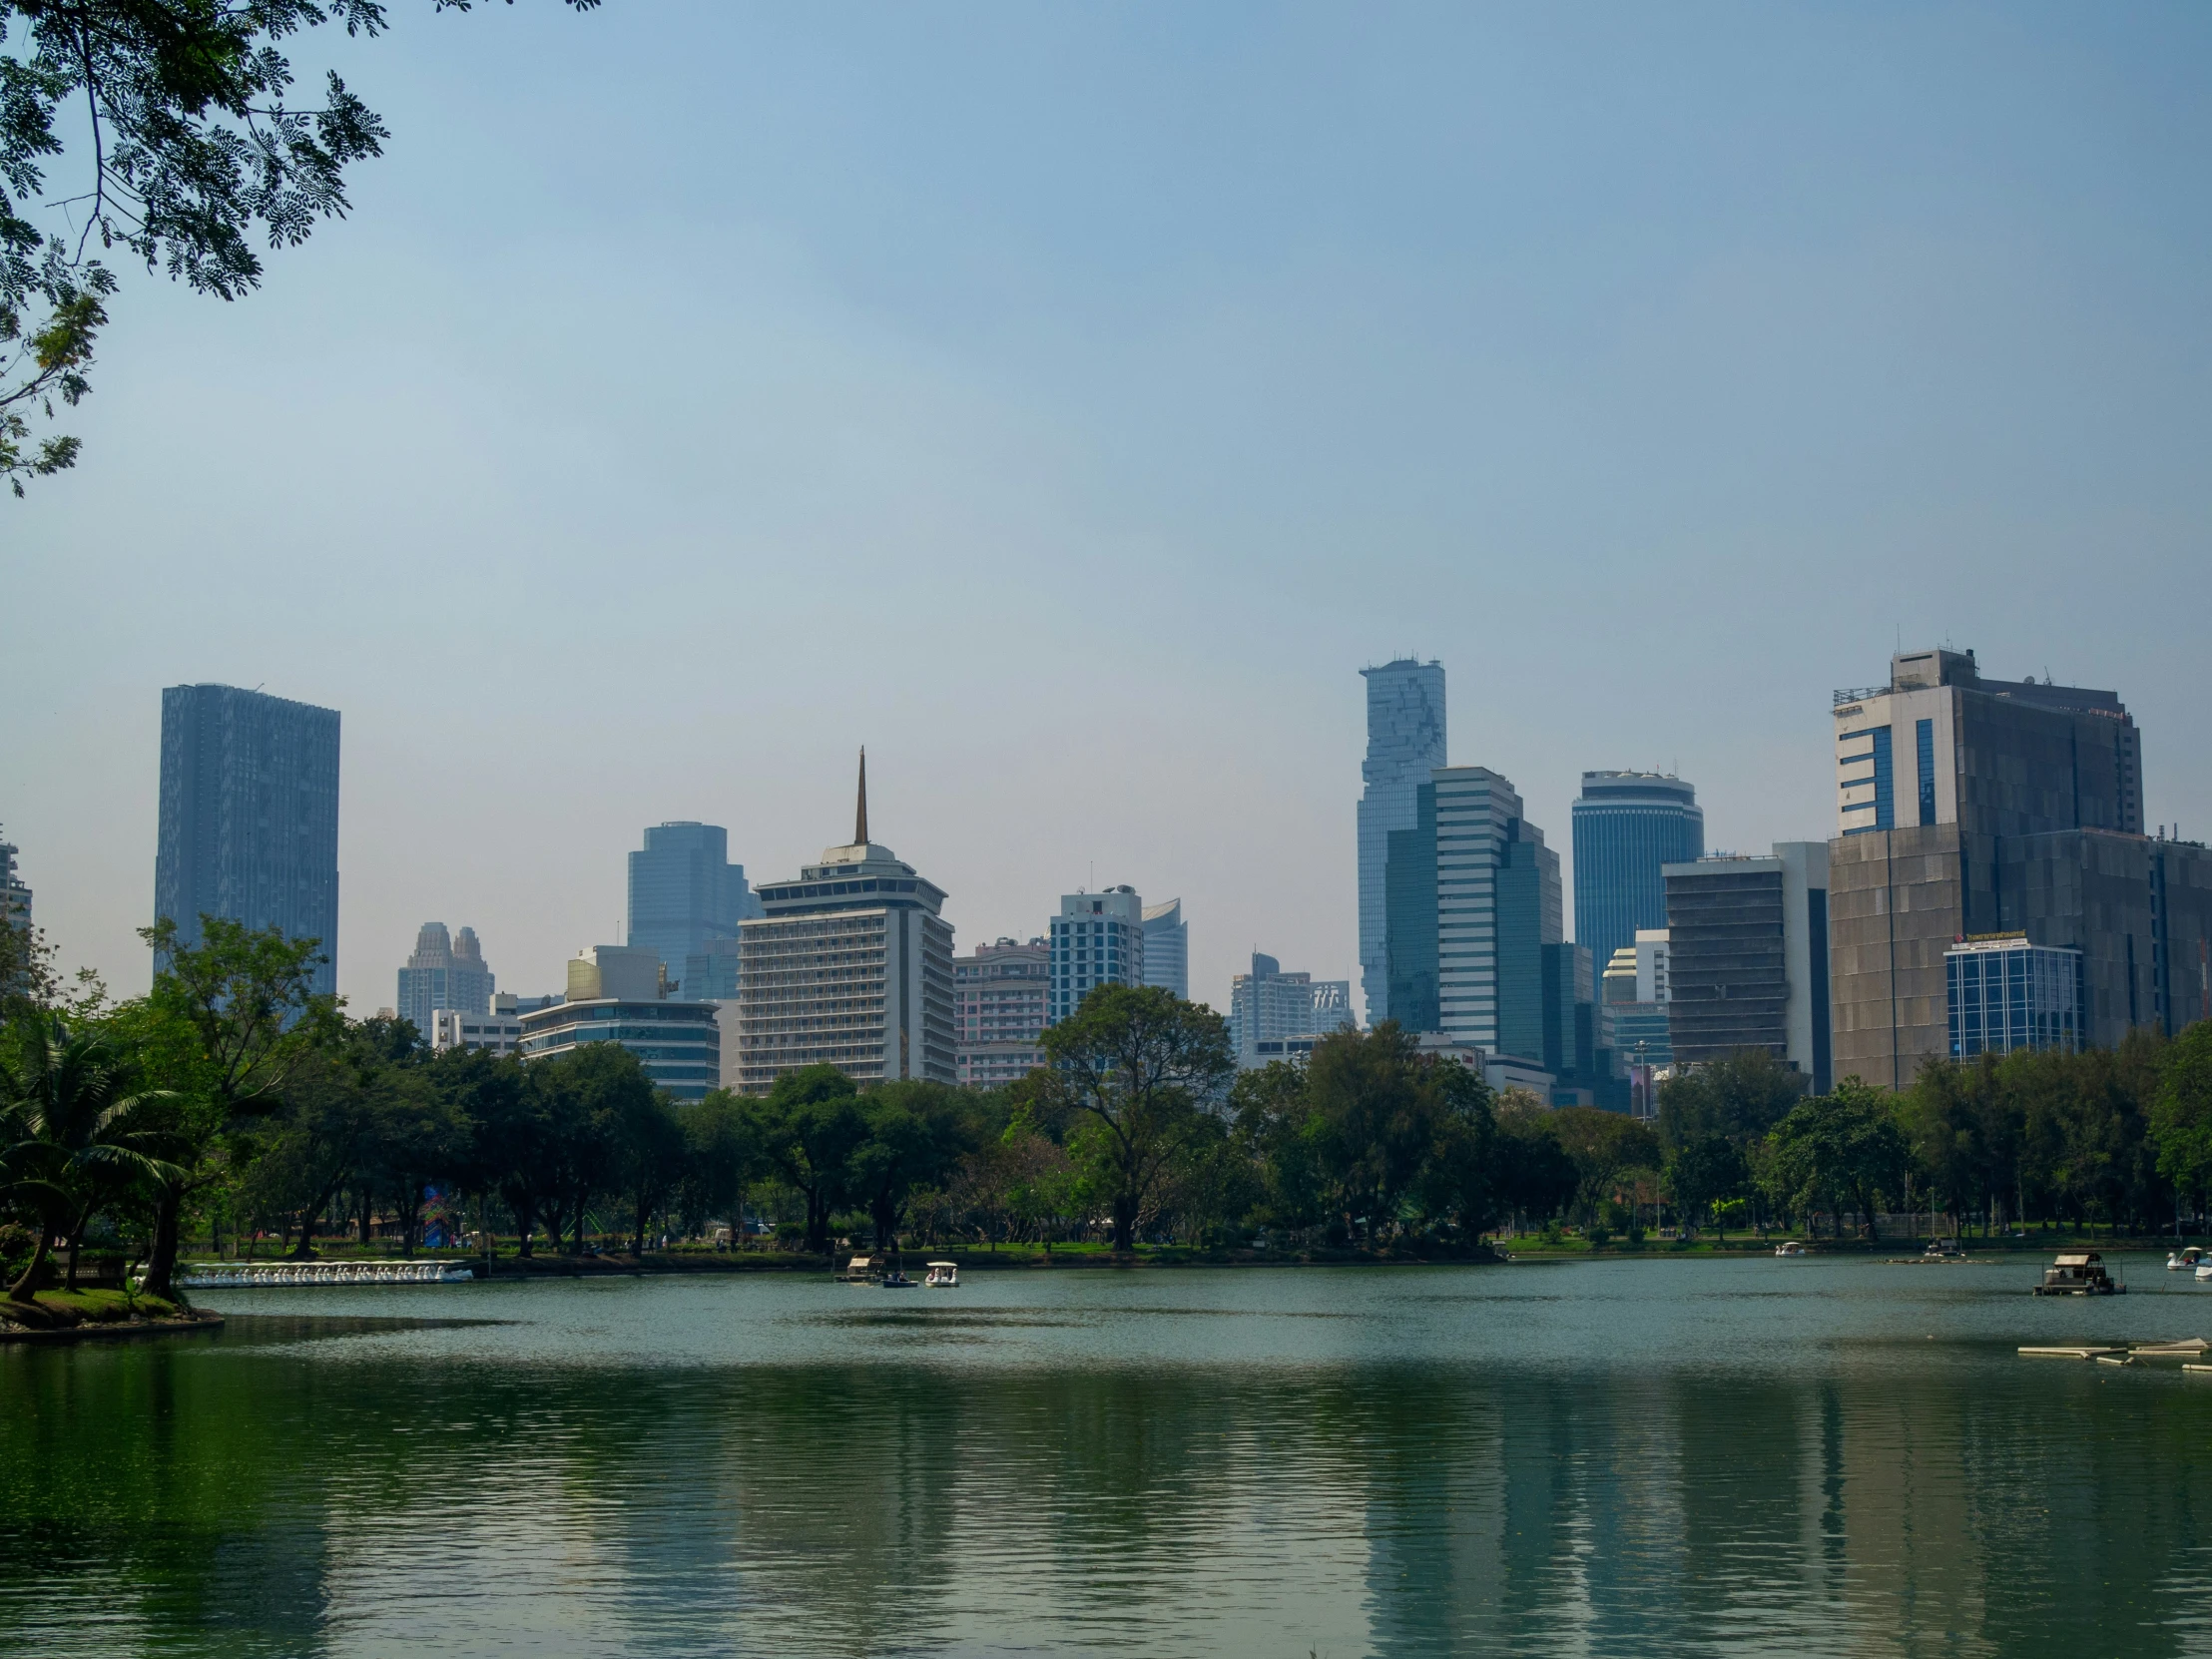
{"x": 71, "y": 1131}
{"x": 1375, "y": 1116}
{"x": 2181, "y": 1113}
{"x": 1533, "y": 1176}
{"x": 1604, "y": 1147}
{"x": 915, "y": 1132}
{"x": 1135, "y": 1068}
{"x": 228, "y": 1021}
{"x": 1839, "y": 1147}
{"x": 719, "y": 1157}
{"x": 807, "y": 1129}
{"x": 190, "y": 146}
{"x": 1737, "y": 1098}
{"x": 1705, "y": 1173}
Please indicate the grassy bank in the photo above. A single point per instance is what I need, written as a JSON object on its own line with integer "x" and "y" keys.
{"x": 88, "y": 1310}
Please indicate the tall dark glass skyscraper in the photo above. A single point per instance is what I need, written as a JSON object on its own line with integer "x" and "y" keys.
{"x": 1406, "y": 742}
{"x": 250, "y": 817}
{"x": 1626, "y": 825}
{"x": 684, "y": 891}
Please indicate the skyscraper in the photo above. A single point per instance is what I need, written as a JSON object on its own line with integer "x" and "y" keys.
{"x": 15, "y": 897}
{"x": 1969, "y": 807}
{"x": 851, "y": 966}
{"x": 1097, "y": 940}
{"x": 1167, "y": 948}
{"x": 1627, "y": 824}
{"x": 684, "y": 891}
{"x": 250, "y": 817}
{"x": 1475, "y": 937}
{"x": 1405, "y": 743}
{"x": 443, "y": 973}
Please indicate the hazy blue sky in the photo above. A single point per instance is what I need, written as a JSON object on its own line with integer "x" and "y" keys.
{"x": 1065, "y": 402}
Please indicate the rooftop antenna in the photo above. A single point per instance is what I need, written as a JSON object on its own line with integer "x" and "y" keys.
{"x": 860, "y": 816}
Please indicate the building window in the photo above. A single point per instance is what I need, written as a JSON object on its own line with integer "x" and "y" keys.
{"x": 1923, "y": 745}
{"x": 1885, "y": 798}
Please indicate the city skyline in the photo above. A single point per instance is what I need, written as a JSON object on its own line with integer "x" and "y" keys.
{"x": 1509, "y": 367}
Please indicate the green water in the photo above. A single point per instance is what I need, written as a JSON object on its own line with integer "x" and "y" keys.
{"x": 1652, "y": 1458}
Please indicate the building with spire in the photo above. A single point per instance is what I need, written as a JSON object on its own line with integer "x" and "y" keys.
{"x": 849, "y": 965}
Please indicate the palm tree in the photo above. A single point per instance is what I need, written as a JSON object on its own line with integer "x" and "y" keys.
{"x": 67, "y": 1129}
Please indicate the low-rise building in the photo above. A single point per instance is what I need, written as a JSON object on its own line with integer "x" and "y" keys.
{"x": 999, "y": 996}
{"x": 678, "y": 1043}
{"x": 2005, "y": 993}
{"x": 496, "y": 1032}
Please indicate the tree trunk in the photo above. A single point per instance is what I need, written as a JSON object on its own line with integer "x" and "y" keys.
{"x": 161, "y": 1266}
{"x": 23, "y": 1289}
{"x": 1125, "y": 1222}
{"x": 526, "y": 1225}
{"x": 368, "y": 1199}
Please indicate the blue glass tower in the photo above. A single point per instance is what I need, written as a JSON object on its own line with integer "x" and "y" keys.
{"x": 1626, "y": 825}
{"x": 250, "y": 817}
{"x": 683, "y": 893}
{"x": 1406, "y": 742}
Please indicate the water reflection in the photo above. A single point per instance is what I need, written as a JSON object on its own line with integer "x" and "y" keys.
{"x": 287, "y": 1490}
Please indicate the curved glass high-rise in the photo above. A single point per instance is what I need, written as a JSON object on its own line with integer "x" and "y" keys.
{"x": 1626, "y": 825}
{"x": 1405, "y": 743}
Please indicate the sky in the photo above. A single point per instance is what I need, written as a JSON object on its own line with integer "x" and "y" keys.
{"x": 1066, "y": 401}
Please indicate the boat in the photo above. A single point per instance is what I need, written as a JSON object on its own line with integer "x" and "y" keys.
{"x": 897, "y": 1280}
{"x": 2079, "y": 1272}
{"x": 2204, "y": 1270}
{"x": 1945, "y": 1250}
{"x": 862, "y": 1270}
{"x": 942, "y": 1276}
{"x": 224, "y": 1276}
{"x": 1793, "y": 1248}
{"x": 2189, "y": 1258}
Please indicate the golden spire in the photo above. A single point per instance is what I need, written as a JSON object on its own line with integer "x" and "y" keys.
{"x": 860, "y": 821}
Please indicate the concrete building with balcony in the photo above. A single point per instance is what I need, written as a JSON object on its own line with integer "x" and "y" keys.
{"x": 850, "y": 967}
{"x": 999, "y": 999}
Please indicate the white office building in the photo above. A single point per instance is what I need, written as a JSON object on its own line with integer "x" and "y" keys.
{"x": 496, "y": 1032}
{"x": 1097, "y": 940}
{"x": 1275, "y": 1016}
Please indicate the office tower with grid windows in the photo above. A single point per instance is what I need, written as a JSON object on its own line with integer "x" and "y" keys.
{"x": 1167, "y": 948}
{"x": 1096, "y": 940}
{"x": 687, "y": 899}
{"x": 250, "y": 817}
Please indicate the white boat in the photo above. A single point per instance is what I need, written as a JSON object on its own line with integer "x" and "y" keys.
{"x": 2180, "y": 1259}
{"x": 221, "y": 1276}
{"x": 2204, "y": 1272}
{"x": 1793, "y": 1248}
{"x": 942, "y": 1276}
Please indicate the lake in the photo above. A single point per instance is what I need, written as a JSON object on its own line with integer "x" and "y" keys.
{"x": 1663, "y": 1456}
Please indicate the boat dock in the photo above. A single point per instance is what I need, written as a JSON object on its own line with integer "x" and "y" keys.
{"x": 212, "y": 1275}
